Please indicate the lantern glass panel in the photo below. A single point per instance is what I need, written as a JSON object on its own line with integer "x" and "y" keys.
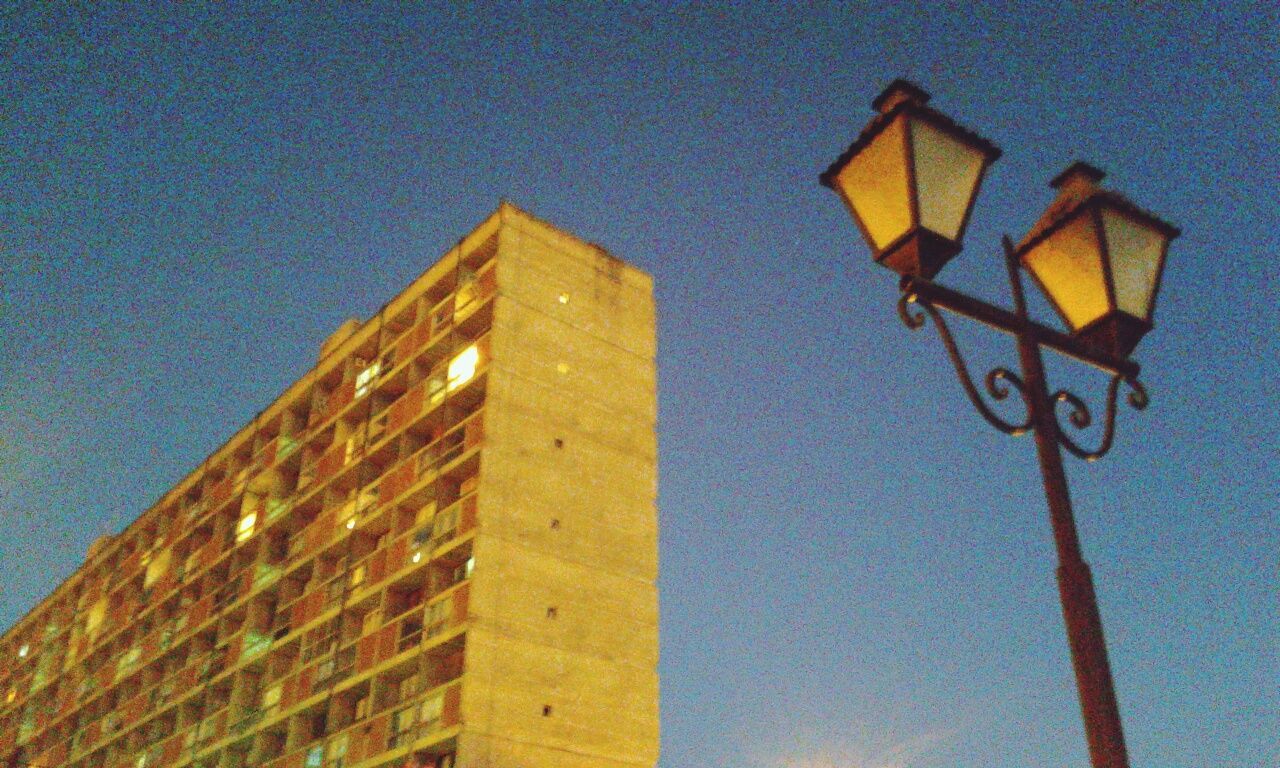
{"x": 1068, "y": 265}
{"x": 874, "y": 182}
{"x": 947, "y": 173}
{"x": 1135, "y": 251}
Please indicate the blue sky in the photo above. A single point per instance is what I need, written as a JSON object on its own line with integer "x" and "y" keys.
{"x": 855, "y": 571}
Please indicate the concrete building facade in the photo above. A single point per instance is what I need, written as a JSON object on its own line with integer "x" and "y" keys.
{"x": 436, "y": 548}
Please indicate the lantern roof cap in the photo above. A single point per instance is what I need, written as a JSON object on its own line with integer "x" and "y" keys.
{"x": 897, "y": 92}
{"x": 898, "y": 97}
{"x": 1078, "y": 189}
{"x": 1078, "y": 172}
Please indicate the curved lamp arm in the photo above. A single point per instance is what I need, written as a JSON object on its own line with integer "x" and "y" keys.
{"x": 998, "y": 380}
{"x": 1080, "y": 418}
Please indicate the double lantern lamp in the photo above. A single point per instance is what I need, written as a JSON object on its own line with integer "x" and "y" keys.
{"x": 910, "y": 180}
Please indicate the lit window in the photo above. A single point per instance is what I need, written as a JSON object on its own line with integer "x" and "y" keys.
{"x": 463, "y": 367}
{"x": 129, "y": 658}
{"x": 93, "y": 621}
{"x": 338, "y": 751}
{"x": 562, "y": 368}
{"x": 245, "y": 529}
{"x": 364, "y": 379}
{"x": 405, "y": 719}
{"x": 13, "y": 694}
{"x": 431, "y": 711}
{"x": 23, "y": 651}
{"x": 271, "y": 699}
{"x": 564, "y": 298}
{"x": 315, "y": 757}
{"x": 417, "y": 557}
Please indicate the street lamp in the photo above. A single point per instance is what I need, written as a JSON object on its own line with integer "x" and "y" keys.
{"x": 909, "y": 181}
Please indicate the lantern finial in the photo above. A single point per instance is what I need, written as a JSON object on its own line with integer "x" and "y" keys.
{"x": 896, "y": 93}
{"x": 1079, "y": 172}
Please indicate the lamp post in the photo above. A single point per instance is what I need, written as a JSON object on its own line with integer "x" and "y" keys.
{"x": 910, "y": 180}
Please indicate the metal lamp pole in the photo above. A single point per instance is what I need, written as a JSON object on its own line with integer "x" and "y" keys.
{"x": 1096, "y": 690}
{"x": 1075, "y": 582}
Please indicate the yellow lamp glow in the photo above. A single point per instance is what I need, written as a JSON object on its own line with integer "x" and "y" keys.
{"x": 1098, "y": 259}
{"x": 910, "y": 180}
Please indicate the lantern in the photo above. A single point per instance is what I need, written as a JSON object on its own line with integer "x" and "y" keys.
{"x": 910, "y": 180}
{"x": 1098, "y": 259}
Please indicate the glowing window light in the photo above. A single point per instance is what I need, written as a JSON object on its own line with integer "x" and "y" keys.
{"x": 417, "y": 557}
{"x": 463, "y": 367}
{"x": 245, "y": 529}
{"x": 364, "y": 379}
{"x": 23, "y": 651}
{"x": 271, "y": 698}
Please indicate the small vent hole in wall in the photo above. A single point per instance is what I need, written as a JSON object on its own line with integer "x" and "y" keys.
{"x": 551, "y": 612}
{"x": 559, "y": 443}
{"x": 555, "y": 524}
{"x": 546, "y": 710}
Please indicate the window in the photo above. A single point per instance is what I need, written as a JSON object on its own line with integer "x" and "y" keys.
{"x": 466, "y": 288}
{"x": 366, "y": 378}
{"x": 432, "y": 709}
{"x": 437, "y": 617}
{"x": 463, "y": 366}
{"x": 410, "y": 686}
{"x": 445, "y": 525}
{"x": 23, "y": 651}
{"x": 315, "y": 757}
{"x": 129, "y": 658}
{"x": 402, "y": 724}
{"x": 325, "y": 670}
{"x": 271, "y": 700}
{"x": 462, "y": 571}
{"x": 156, "y": 566}
{"x": 244, "y": 530}
{"x": 338, "y": 751}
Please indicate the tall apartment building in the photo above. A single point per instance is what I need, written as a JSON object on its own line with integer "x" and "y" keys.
{"x": 437, "y": 548}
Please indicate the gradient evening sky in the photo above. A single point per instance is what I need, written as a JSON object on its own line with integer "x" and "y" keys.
{"x": 856, "y": 572}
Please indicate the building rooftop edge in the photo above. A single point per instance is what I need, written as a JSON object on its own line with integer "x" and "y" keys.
{"x": 99, "y": 548}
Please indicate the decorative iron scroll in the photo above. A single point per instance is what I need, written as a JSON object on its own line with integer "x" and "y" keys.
{"x": 1080, "y": 418}
{"x": 999, "y": 381}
